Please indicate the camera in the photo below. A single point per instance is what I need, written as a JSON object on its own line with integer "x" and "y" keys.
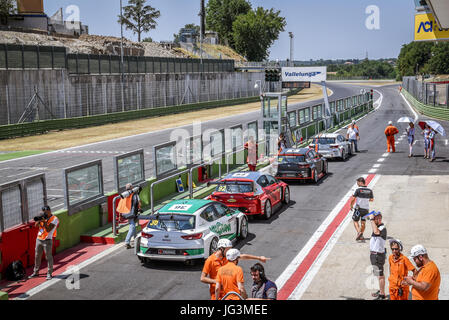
{"x": 127, "y": 193}
{"x": 41, "y": 217}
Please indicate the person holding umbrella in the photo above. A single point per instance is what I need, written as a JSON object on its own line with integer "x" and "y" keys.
{"x": 390, "y": 131}
{"x": 426, "y": 133}
{"x": 432, "y": 145}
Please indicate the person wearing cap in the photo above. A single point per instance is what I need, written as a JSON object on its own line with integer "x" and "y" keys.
{"x": 230, "y": 278}
{"x": 378, "y": 251}
{"x": 400, "y": 266}
{"x": 44, "y": 242}
{"x": 218, "y": 259}
{"x": 390, "y": 131}
{"x": 426, "y": 283}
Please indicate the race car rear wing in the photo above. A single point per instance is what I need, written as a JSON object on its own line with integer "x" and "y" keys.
{"x": 233, "y": 182}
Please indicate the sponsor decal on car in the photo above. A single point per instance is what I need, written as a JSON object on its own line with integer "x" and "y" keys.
{"x": 220, "y": 228}
{"x": 180, "y": 207}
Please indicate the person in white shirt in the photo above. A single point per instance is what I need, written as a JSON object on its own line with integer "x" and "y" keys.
{"x": 378, "y": 252}
{"x": 352, "y": 136}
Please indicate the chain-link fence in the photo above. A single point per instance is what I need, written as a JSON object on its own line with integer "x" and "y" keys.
{"x": 60, "y": 96}
{"x": 433, "y": 94}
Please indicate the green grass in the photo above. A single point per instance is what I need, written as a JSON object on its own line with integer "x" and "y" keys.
{"x": 19, "y": 154}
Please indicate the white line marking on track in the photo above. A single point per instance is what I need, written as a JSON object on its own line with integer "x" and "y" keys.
{"x": 386, "y": 154}
{"x": 64, "y": 275}
{"x": 410, "y": 107}
{"x": 381, "y": 160}
{"x": 313, "y": 270}
{"x": 377, "y": 165}
{"x": 372, "y": 171}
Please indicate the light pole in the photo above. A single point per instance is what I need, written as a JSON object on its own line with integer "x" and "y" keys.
{"x": 122, "y": 76}
{"x": 290, "y": 34}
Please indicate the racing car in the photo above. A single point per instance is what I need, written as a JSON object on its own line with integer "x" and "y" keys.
{"x": 186, "y": 230}
{"x": 301, "y": 164}
{"x": 253, "y": 193}
{"x": 332, "y": 145}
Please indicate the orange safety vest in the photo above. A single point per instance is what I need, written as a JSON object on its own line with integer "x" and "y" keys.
{"x": 43, "y": 233}
{"x": 124, "y": 205}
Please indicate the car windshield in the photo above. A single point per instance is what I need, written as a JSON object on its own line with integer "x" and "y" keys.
{"x": 324, "y": 140}
{"x": 291, "y": 159}
{"x": 235, "y": 187}
{"x": 170, "y": 222}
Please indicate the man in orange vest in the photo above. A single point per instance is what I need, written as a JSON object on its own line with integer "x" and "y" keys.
{"x": 47, "y": 224}
{"x": 130, "y": 207}
{"x": 390, "y": 131}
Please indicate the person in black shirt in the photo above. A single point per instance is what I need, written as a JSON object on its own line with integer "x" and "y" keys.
{"x": 361, "y": 199}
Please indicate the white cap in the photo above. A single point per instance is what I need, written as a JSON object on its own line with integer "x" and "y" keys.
{"x": 399, "y": 242}
{"x": 353, "y": 121}
{"x": 233, "y": 254}
{"x": 417, "y": 250}
{"x": 390, "y": 122}
{"x": 224, "y": 243}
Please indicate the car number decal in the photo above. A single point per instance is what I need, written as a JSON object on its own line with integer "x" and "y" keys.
{"x": 280, "y": 160}
{"x": 180, "y": 207}
{"x": 222, "y": 188}
{"x": 240, "y": 175}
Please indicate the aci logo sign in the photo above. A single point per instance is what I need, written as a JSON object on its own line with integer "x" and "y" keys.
{"x": 426, "y": 28}
{"x": 306, "y": 74}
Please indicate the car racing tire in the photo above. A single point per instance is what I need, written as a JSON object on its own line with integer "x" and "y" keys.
{"x": 212, "y": 246}
{"x": 315, "y": 176}
{"x": 286, "y": 196}
{"x": 243, "y": 232}
{"x": 350, "y": 151}
{"x": 325, "y": 167}
{"x": 343, "y": 155}
{"x": 268, "y": 210}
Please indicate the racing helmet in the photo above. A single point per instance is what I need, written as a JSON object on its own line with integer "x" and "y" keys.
{"x": 224, "y": 243}
{"x": 233, "y": 254}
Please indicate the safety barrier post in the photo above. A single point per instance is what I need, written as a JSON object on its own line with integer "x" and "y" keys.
{"x": 114, "y": 215}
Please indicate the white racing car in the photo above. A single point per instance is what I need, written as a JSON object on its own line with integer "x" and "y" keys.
{"x": 332, "y": 145}
{"x": 185, "y": 230}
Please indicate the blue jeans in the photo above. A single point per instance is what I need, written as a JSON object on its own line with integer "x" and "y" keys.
{"x": 131, "y": 231}
{"x": 354, "y": 141}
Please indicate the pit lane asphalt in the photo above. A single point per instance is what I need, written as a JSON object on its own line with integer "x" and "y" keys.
{"x": 53, "y": 163}
{"x": 122, "y": 276}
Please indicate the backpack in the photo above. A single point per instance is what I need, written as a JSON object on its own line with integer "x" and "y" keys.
{"x": 15, "y": 271}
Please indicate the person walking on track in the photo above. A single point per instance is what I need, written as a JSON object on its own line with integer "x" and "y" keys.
{"x": 361, "y": 199}
{"x": 390, "y": 131}
{"x": 426, "y": 283}
{"x": 218, "y": 259}
{"x": 400, "y": 266}
{"x": 352, "y": 135}
{"x": 410, "y": 138}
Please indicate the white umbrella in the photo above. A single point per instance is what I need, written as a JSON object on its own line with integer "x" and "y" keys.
{"x": 437, "y": 127}
{"x": 406, "y": 120}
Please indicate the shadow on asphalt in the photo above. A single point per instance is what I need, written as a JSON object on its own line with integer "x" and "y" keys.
{"x": 310, "y": 182}
{"x": 274, "y": 216}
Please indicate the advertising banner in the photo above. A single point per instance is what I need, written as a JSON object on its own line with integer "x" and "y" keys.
{"x": 426, "y": 28}
{"x": 304, "y": 74}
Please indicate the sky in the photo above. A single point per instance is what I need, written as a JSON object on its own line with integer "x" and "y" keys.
{"x": 323, "y": 29}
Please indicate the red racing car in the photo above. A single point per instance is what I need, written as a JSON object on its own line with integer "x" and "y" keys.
{"x": 253, "y": 193}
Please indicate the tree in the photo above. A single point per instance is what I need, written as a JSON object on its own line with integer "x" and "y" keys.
{"x": 255, "y": 32}
{"x": 413, "y": 58}
{"x": 138, "y": 17}
{"x": 221, "y": 14}
{"x": 7, "y": 7}
{"x": 439, "y": 61}
{"x": 177, "y": 37}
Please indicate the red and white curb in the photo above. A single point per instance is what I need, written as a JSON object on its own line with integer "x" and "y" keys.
{"x": 299, "y": 274}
